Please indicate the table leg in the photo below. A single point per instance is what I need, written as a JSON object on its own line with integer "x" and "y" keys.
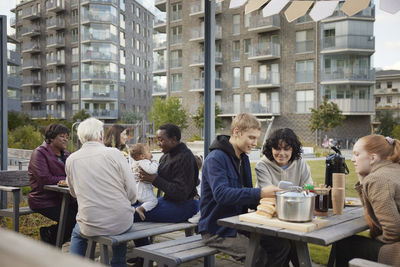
{"x": 303, "y": 254}
{"x": 251, "y": 253}
{"x": 63, "y": 219}
{"x": 332, "y": 256}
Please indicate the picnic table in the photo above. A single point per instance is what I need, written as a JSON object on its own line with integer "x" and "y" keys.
{"x": 66, "y": 198}
{"x": 340, "y": 226}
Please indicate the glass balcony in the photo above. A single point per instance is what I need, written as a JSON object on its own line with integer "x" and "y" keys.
{"x": 38, "y": 114}
{"x": 31, "y": 30}
{"x": 159, "y": 41}
{"x": 368, "y": 12}
{"x": 197, "y": 8}
{"x": 13, "y": 58}
{"x": 348, "y": 42}
{"x": 84, "y": 2}
{"x": 56, "y": 114}
{"x": 176, "y": 39}
{"x": 55, "y": 60}
{"x": 100, "y": 75}
{"x": 161, "y": 4}
{"x": 75, "y": 95}
{"x": 31, "y": 81}
{"x": 55, "y": 78}
{"x": 55, "y": 5}
{"x": 347, "y": 76}
{"x": 198, "y": 59}
{"x": 101, "y": 14}
{"x": 305, "y": 46}
{"x": 55, "y": 23}
{"x": 177, "y": 15}
{"x": 97, "y": 95}
{"x": 197, "y": 85}
{"x": 176, "y": 63}
{"x": 264, "y": 51}
{"x": 99, "y": 36}
{"x": 55, "y": 96}
{"x": 197, "y": 33}
{"x": 14, "y": 81}
{"x": 55, "y": 42}
{"x": 36, "y": 97}
{"x": 31, "y": 12}
{"x": 74, "y": 3}
{"x": 12, "y": 21}
{"x": 260, "y": 23}
{"x": 264, "y": 80}
{"x": 31, "y": 47}
{"x": 257, "y": 108}
{"x": 160, "y": 19}
{"x": 159, "y": 89}
{"x": 102, "y": 113}
{"x": 355, "y": 106}
{"x": 90, "y": 55}
{"x": 31, "y": 64}
{"x": 159, "y": 66}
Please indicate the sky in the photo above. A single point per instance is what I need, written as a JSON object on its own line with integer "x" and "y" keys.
{"x": 387, "y": 37}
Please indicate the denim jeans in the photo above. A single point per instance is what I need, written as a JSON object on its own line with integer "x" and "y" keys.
{"x": 79, "y": 245}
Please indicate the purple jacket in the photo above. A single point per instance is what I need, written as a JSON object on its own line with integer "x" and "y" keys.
{"x": 45, "y": 169}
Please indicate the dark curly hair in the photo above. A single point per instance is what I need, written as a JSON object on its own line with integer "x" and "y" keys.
{"x": 53, "y": 130}
{"x": 113, "y": 137}
{"x": 289, "y": 137}
{"x": 171, "y": 130}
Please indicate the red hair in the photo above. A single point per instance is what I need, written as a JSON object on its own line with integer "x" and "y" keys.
{"x": 385, "y": 148}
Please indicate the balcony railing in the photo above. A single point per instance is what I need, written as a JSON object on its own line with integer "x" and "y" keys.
{"x": 304, "y": 76}
{"x": 31, "y": 64}
{"x": 100, "y": 75}
{"x": 343, "y": 75}
{"x": 99, "y": 37}
{"x": 30, "y": 30}
{"x": 198, "y": 8}
{"x": 31, "y": 13}
{"x": 90, "y": 94}
{"x": 55, "y": 78}
{"x": 354, "y": 106}
{"x": 83, "y": 2}
{"x": 74, "y": 3}
{"x": 100, "y": 16}
{"x": 176, "y": 63}
{"x": 198, "y": 59}
{"x": 12, "y": 21}
{"x": 264, "y": 51}
{"x": 30, "y": 47}
{"x": 259, "y": 22}
{"x": 55, "y": 42}
{"x": 254, "y": 107}
{"x": 198, "y": 84}
{"x": 32, "y": 98}
{"x": 55, "y": 23}
{"x": 368, "y": 12}
{"x": 348, "y": 42}
{"x": 58, "y": 114}
{"x": 31, "y": 81}
{"x": 102, "y": 113}
{"x": 176, "y": 15}
{"x": 305, "y": 46}
{"x": 176, "y": 39}
{"x": 55, "y": 5}
{"x": 159, "y": 66}
{"x": 60, "y": 96}
{"x": 13, "y": 57}
{"x": 160, "y": 19}
{"x": 159, "y": 89}
{"x": 38, "y": 114}
{"x": 14, "y": 81}
{"x": 55, "y": 61}
{"x": 159, "y": 41}
{"x": 270, "y": 79}
{"x": 197, "y": 33}
{"x": 94, "y": 55}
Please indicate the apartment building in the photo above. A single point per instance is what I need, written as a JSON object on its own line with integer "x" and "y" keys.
{"x": 387, "y": 91}
{"x": 13, "y": 76}
{"x": 94, "y": 55}
{"x": 268, "y": 66}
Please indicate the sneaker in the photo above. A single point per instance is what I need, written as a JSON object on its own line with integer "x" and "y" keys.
{"x": 195, "y": 218}
{"x": 136, "y": 262}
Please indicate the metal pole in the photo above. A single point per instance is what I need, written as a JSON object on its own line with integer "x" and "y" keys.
{"x": 209, "y": 73}
{"x": 4, "y": 98}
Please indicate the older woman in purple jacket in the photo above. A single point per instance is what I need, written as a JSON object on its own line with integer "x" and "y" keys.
{"x": 47, "y": 167}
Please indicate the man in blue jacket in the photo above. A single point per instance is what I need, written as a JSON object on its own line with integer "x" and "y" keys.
{"x": 227, "y": 190}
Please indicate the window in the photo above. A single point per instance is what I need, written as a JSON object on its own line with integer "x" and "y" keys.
{"x": 246, "y": 44}
{"x": 74, "y": 16}
{"x": 137, "y": 28}
{"x": 176, "y": 33}
{"x": 236, "y": 103}
{"x": 122, "y": 21}
{"x": 389, "y": 84}
{"x": 176, "y": 82}
{"x": 236, "y": 24}
{"x": 138, "y": 12}
{"x": 176, "y": 13}
{"x": 74, "y": 35}
{"x": 176, "y": 59}
{"x": 329, "y": 38}
{"x": 235, "y": 50}
{"x": 305, "y": 71}
{"x": 247, "y": 73}
{"x": 389, "y": 99}
{"x": 236, "y": 78}
{"x": 304, "y": 41}
{"x": 247, "y": 20}
{"x": 304, "y": 101}
{"x": 247, "y": 103}
{"x": 377, "y": 100}
{"x": 378, "y": 85}
{"x": 75, "y": 73}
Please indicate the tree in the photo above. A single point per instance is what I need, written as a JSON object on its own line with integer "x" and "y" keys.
{"x": 199, "y": 117}
{"x": 387, "y": 122}
{"x": 17, "y": 119}
{"x": 81, "y": 115}
{"x": 326, "y": 116}
{"x": 168, "y": 110}
{"x": 396, "y": 132}
{"x": 25, "y": 137}
{"x": 130, "y": 117}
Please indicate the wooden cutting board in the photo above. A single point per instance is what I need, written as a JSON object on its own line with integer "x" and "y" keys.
{"x": 302, "y": 227}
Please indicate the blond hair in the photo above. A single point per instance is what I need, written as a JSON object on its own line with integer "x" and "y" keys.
{"x": 385, "y": 147}
{"x": 137, "y": 150}
{"x": 245, "y": 121}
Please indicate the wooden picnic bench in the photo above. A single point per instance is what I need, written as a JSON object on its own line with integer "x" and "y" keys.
{"x": 13, "y": 181}
{"x": 138, "y": 231}
{"x": 176, "y": 252}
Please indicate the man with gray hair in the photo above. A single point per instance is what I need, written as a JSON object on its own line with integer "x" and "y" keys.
{"x": 101, "y": 180}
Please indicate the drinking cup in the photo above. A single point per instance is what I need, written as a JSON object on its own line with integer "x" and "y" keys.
{"x": 338, "y": 195}
{"x": 338, "y": 180}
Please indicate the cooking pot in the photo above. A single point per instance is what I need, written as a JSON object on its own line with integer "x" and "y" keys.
{"x": 295, "y": 205}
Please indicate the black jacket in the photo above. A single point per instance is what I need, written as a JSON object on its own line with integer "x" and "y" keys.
{"x": 178, "y": 174}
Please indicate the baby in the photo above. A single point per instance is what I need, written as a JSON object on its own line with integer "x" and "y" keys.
{"x": 142, "y": 158}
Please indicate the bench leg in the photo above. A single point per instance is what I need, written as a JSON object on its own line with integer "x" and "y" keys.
{"x": 90, "y": 249}
{"x": 332, "y": 259}
{"x": 104, "y": 254}
{"x": 148, "y": 263}
{"x": 189, "y": 232}
{"x": 209, "y": 261}
{"x": 16, "y": 197}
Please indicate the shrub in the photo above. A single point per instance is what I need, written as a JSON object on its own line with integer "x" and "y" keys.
{"x": 25, "y": 137}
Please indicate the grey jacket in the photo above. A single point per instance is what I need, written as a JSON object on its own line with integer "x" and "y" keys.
{"x": 268, "y": 172}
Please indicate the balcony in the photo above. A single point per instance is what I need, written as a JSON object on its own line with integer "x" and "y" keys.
{"x": 38, "y": 114}
{"x": 197, "y": 8}
{"x": 98, "y": 56}
{"x": 55, "y": 42}
{"x": 55, "y": 23}
{"x": 55, "y": 96}
{"x": 198, "y": 60}
{"x": 74, "y": 3}
{"x": 30, "y": 31}
{"x": 56, "y": 60}
{"x": 31, "y": 13}
{"x": 159, "y": 67}
{"x": 32, "y": 98}
{"x": 305, "y": 47}
{"x": 55, "y": 6}
{"x": 103, "y": 114}
{"x": 159, "y": 90}
{"x": 259, "y": 23}
{"x": 31, "y": 64}
{"x": 197, "y": 85}
{"x": 264, "y": 51}
{"x": 160, "y": 23}
{"x": 101, "y": 75}
{"x": 31, "y": 81}
{"x": 58, "y": 78}
{"x": 176, "y": 39}
{"x": 56, "y": 114}
{"x": 98, "y": 96}
{"x": 197, "y": 33}
{"x": 342, "y": 76}
{"x": 367, "y": 13}
{"x": 355, "y": 106}
{"x": 159, "y": 41}
{"x": 106, "y": 36}
{"x": 13, "y": 58}
{"x": 269, "y": 108}
{"x": 14, "y": 81}
{"x": 30, "y": 47}
{"x": 85, "y": 2}
{"x": 161, "y": 4}
{"x": 386, "y": 91}
{"x": 348, "y": 43}
{"x": 264, "y": 80}
{"x": 12, "y": 21}
{"x": 89, "y": 17}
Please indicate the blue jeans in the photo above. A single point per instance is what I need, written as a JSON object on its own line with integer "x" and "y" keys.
{"x": 79, "y": 245}
{"x": 167, "y": 211}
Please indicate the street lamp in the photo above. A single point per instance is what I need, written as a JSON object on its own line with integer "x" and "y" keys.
{"x": 72, "y": 134}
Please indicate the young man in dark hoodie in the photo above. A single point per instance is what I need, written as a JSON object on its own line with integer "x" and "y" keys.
{"x": 227, "y": 190}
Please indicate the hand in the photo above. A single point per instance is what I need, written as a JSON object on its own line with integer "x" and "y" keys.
{"x": 269, "y": 191}
{"x": 145, "y": 177}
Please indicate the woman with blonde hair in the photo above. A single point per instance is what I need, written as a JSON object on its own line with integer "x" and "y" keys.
{"x": 377, "y": 162}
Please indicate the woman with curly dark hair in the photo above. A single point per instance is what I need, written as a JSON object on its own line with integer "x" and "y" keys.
{"x": 282, "y": 161}
{"x": 116, "y": 137}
